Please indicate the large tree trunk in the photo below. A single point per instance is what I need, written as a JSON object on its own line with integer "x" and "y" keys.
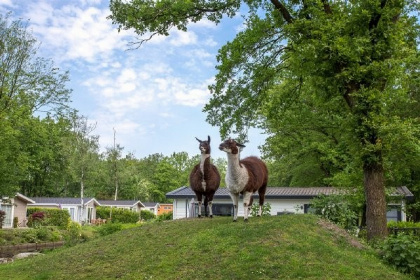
{"x": 375, "y": 201}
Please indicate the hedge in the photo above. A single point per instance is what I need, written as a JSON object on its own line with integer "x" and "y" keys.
{"x": 118, "y": 215}
{"x": 51, "y": 217}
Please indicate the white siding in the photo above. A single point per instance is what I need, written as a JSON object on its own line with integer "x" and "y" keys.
{"x": 287, "y": 205}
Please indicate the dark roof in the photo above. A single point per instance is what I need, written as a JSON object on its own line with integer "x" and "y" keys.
{"x": 150, "y": 204}
{"x": 120, "y": 202}
{"x": 278, "y": 192}
{"x": 61, "y": 200}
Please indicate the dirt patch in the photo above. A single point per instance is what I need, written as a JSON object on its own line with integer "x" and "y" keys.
{"x": 342, "y": 233}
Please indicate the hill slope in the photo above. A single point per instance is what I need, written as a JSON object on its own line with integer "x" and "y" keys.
{"x": 282, "y": 247}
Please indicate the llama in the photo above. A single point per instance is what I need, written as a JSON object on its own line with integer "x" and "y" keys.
{"x": 205, "y": 179}
{"x": 244, "y": 177}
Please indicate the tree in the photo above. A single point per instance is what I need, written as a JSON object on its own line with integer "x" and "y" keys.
{"x": 29, "y": 86}
{"x": 358, "y": 58}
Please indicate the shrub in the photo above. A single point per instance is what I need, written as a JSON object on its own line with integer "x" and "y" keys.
{"x": 118, "y": 215}
{"x": 110, "y": 228}
{"x": 73, "y": 234}
{"x": 2, "y": 218}
{"x": 165, "y": 216}
{"x": 336, "y": 209}
{"x": 403, "y": 252}
{"x": 52, "y": 217}
{"x": 36, "y": 219}
{"x": 15, "y": 222}
{"x": 266, "y": 210}
{"x": 147, "y": 215}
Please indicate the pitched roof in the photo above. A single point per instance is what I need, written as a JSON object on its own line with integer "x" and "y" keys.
{"x": 278, "y": 192}
{"x": 24, "y": 198}
{"x": 150, "y": 204}
{"x": 120, "y": 202}
{"x": 62, "y": 200}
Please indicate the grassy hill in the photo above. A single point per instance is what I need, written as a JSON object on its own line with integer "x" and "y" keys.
{"x": 282, "y": 247}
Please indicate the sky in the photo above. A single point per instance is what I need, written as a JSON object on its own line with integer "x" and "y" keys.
{"x": 152, "y": 96}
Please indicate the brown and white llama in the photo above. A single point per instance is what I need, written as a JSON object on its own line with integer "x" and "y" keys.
{"x": 205, "y": 179}
{"x": 244, "y": 177}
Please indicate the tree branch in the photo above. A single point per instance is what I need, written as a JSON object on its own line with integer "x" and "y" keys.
{"x": 282, "y": 9}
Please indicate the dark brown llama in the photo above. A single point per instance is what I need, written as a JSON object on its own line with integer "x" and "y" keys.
{"x": 244, "y": 177}
{"x": 205, "y": 179}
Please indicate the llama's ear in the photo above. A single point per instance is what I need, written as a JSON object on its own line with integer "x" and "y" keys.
{"x": 208, "y": 138}
{"x": 198, "y": 139}
{"x": 240, "y": 145}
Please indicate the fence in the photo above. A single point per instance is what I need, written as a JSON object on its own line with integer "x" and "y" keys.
{"x": 415, "y": 230}
{"x": 11, "y": 250}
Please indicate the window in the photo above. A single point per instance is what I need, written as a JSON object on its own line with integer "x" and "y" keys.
{"x": 394, "y": 214}
{"x": 8, "y": 209}
{"x": 72, "y": 212}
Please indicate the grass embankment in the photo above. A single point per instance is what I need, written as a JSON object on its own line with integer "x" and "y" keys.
{"x": 282, "y": 247}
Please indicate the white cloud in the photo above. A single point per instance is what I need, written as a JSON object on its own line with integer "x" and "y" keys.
{"x": 181, "y": 38}
{"x": 75, "y": 33}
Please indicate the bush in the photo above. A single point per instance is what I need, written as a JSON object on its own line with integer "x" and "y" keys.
{"x": 405, "y": 225}
{"x": 73, "y": 234}
{"x": 107, "y": 229}
{"x": 52, "y": 217}
{"x": 165, "y": 216}
{"x": 2, "y": 218}
{"x": 118, "y": 215}
{"x": 15, "y": 222}
{"x": 337, "y": 210}
{"x": 403, "y": 252}
{"x": 147, "y": 215}
{"x": 36, "y": 219}
{"x": 266, "y": 210}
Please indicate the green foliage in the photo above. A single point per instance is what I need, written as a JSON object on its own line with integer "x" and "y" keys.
{"x": 309, "y": 249}
{"x": 336, "y": 209}
{"x": 2, "y": 218}
{"x": 29, "y": 85}
{"x": 266, "y": 210}
{"x": 117, "y": 215}
{"x": 15, "y": 222}
{"x": 31, "y": 235}
{"x": 165, "y": 217}
{"x": 52, "y": 217}
{"x": 412, "y": 228}
{"x": 109, "y": 228}
{"x": 147, "y": 215}
{"x": 403, "y": 252}
{"x": 73, "y": 234}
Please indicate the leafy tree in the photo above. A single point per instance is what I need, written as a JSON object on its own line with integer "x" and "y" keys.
{"x": 29, "y": 86}
{"x": 353, "y": 61}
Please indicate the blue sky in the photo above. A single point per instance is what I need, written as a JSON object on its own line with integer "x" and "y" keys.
{"x": 152, "y": 96}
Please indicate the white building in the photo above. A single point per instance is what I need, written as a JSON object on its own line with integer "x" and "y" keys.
{"x": 285, "y": 200}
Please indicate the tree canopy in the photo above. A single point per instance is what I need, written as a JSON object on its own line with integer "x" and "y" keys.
{"x": 337, "y": 80}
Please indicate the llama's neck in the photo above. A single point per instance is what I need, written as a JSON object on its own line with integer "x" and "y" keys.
{"x": 236, "y": 175}
{"x": 203, "y": 167}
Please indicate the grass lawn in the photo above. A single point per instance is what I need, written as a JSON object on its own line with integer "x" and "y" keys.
{"x": 278, "y": 247}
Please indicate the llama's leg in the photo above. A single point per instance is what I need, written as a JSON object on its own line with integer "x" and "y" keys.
{"x": 210, "y": 197}
{"x": 206, "y": 203}
{"x": 250, "y": 205}
{"x": 200, "y": 202}
{"x": 261, "y": 195}
{"x": 210, "y": 209}
{"x": 235, "y": 199}
{"x": 247, "y": 199}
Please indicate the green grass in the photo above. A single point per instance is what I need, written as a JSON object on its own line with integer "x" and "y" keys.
{"x": 282, "y": 247}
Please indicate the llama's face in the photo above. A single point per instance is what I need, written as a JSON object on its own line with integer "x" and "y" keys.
{"x": 204, "y": 146}
{"x": 230, "y": 146}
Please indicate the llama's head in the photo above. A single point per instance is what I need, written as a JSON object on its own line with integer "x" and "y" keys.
{"x": 230, "y": 146}
{"x": 204, "y": 146}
